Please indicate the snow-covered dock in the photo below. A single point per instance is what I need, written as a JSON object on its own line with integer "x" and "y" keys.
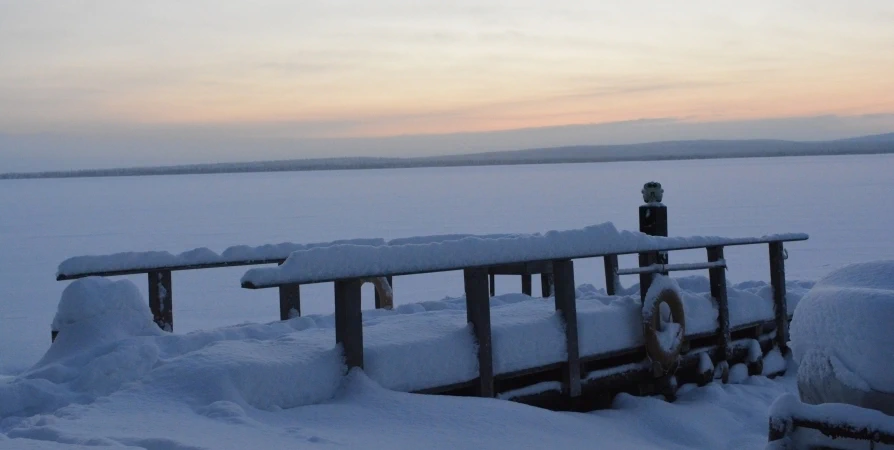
{"x": 562, "y": 354}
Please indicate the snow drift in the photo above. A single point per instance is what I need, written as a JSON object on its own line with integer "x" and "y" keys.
{"x": 841, "y": 336}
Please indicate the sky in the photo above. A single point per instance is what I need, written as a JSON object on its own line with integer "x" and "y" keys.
{"x": 108, "y": 82}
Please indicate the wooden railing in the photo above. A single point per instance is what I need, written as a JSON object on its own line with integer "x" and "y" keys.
{"x": 348, "y": 316}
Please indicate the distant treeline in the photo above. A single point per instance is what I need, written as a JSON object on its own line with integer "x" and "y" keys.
{"x": 657, "y": 151}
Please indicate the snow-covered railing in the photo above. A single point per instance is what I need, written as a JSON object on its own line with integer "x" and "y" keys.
{"x": 835, "y": 420}
{"x": 480, "y": 257}
{"x": 343, "y": 261}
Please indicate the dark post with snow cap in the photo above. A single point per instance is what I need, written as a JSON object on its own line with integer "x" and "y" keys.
{"x": 652, "y": 221}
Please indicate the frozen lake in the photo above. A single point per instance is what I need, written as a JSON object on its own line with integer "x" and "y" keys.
{"x": 844, "y": 203}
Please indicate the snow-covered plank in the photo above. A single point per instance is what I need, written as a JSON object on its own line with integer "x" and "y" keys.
{"x": 335, "y": 262}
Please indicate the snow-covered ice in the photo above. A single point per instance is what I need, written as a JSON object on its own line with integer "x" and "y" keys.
{"x": 44, "y": 222}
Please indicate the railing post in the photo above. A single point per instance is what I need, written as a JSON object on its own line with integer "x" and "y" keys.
{"x": 718, "y": 291}
{"x": 349, "y": 321}
{"x": 566, "y": 305}
{"x": 493, "y": 285}
{"x": 546, "y": 285}
{"x": 777, "y": 282}
{"x": 611, "y": 274}
{"x": 478, "y": 315}
{"x": 645, "y": 279}
{"x": 526, "y": 284}
{"x": 379, "y": 300}
{"x": 289, "y": 301}
{"x": 161, "y": 299}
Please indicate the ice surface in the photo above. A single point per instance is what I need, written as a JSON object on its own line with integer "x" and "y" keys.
{"x": 846, "y": 319}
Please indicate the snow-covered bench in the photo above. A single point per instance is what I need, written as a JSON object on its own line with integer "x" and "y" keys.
{"x": 346, "y": 265}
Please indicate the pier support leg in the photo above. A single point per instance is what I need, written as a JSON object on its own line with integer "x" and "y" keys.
{"x": 349, "y": 321}
{"x": 289, "y": 301}
{"x": 717, "y": 277}
{"x": 161, "y": 299}
{"x": 566, "y": 305}
{"x": 777, "y": 281}
{"x": 526, "y": 284}
{"x": 478, "y": 315}
{"x": 611, "y": 274}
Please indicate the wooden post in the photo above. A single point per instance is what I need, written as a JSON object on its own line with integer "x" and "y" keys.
{"x": 289, "y": 300}
{"x": 161, "y": 299}
{"x": 546, "y": 285}
{"x": 566, "y": 304}
{"x": 526, "y": 284}
{"x": 611, "y": 274}
{"x": 478, "y": 315}
{"x": 718, "y": 291}
{"x": 349, "y": 321}
{"x": 379, "y": 303}
{"x": 777, "y": 281}
{"x": 652, "y": 221}
{"x": 493, "y": 285}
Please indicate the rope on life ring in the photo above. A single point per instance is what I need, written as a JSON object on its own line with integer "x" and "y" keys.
{"x": 664, "y": 340}
{"x": 383, "y": 288}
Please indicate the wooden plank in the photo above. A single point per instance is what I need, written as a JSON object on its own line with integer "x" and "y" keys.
{"x": 379, "y": 301}
{"x": 478, "y": 315}
{"x": 161, "y": 299}
{"x": 611, "y": 274}
{"x": 566, "y": 305}
{"x": 665, "y": 268}
{"x": 780, "y": 306}
{"x": 717, "y": 277}
{"x": 526, "y": 284}
{"x": 349, "y": 321}
{"x": 289, "y": 301}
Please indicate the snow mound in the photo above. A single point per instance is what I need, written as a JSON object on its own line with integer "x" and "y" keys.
{"x": 94, "y": 310}
{"x": 842, "y": 328}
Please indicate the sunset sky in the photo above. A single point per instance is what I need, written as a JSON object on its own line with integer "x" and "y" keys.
{"x": 310, "y": 70}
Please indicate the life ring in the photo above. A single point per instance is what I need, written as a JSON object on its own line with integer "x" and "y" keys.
{"x": 383, "y": 288}
{"x": 664, "y": 342}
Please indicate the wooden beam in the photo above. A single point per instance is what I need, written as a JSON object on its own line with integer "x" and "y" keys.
{"x": 289, "y": 300}
{"x": 526, "y": 284}
{"x": 493, "y": 285}
{"x": 717, "y": 277}
{"x": 611, "y": 273}
{"x": 478, "y": 315}
{"x": 780, "y": 306}
{"x": 566, "y": 305}
{"x": 349, "y": 321}
{"x": 161, "y": 299}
